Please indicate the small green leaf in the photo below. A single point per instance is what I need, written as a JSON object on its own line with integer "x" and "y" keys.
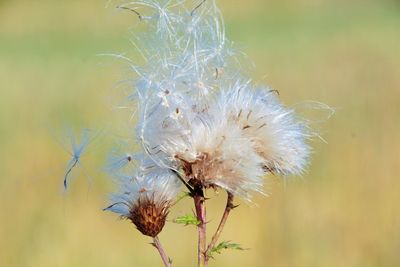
{"x": 222, "y": 246}
{"x": 187, "y": 220}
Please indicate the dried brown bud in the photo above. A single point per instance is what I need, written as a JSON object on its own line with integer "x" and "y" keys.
{"x": 149, "y": 216}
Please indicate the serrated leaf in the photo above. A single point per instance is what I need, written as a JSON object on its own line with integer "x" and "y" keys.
{"x": 222, "y": 246}
{"x": 187, "y": 220}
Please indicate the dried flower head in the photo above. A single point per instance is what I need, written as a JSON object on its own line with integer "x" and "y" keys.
{"x": 242, "y": 135}
{"x": 146, "y": 198}
{"x": 199, "y": 115}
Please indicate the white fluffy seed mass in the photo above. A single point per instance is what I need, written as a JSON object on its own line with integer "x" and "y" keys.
{"x": 149, "y": 183}
{"x": 275, "y": 132}
{"x": 198, "y": 113}
{"x": 243, "y": 134}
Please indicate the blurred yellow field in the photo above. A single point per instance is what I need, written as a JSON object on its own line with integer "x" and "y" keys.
{"x": 344, "y": 212}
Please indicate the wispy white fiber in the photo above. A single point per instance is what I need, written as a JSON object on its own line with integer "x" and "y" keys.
{"x": 198, "y": 114}
{"x": 149, "y": 182}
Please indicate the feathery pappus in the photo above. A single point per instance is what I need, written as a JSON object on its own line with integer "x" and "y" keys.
{"x": 201, "y": 122}
{"x": 145, "y": 198}
{"x": 198, "y": 112}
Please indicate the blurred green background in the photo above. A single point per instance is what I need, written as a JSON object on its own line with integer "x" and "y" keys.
{"x": 344, "y": 212}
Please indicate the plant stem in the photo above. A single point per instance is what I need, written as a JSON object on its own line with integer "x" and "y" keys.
{"x": 228, "y": 208}
{"x": 159, "y": 247}
{"x": 199, "y": 203}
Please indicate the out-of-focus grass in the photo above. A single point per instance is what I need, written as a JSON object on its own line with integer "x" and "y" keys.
{"x": 345, "y": 212}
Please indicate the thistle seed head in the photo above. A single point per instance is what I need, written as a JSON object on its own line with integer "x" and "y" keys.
{"x": 197, "y": 111}
{"x": 149, "y": 216}
{"x": 146, "y": 198}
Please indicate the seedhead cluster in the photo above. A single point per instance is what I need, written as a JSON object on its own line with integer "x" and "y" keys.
{"x": 202, "y": 123}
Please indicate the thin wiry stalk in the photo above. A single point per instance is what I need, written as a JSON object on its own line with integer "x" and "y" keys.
{"x": 159, "y": 247}
{"x": 199, "y": 203}
{"x": 197, "y": 7}
{"x": 191, "y": 191}
{"x": 76, "y": 161}
{"x": 214, "y": 240}
{"x": 133, "y": 10}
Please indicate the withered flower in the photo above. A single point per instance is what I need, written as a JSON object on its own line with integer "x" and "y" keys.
{"x": 146, "y": 198}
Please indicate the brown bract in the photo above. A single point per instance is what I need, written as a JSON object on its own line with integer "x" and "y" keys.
{"x": 149, "y": 216}
{"x": 201, "y": 172}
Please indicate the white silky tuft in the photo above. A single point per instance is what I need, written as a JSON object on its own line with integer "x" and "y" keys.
{"x": 277, "y": 135}
{"x": 151, "y": 182}
{"x": 198, "y": 114}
